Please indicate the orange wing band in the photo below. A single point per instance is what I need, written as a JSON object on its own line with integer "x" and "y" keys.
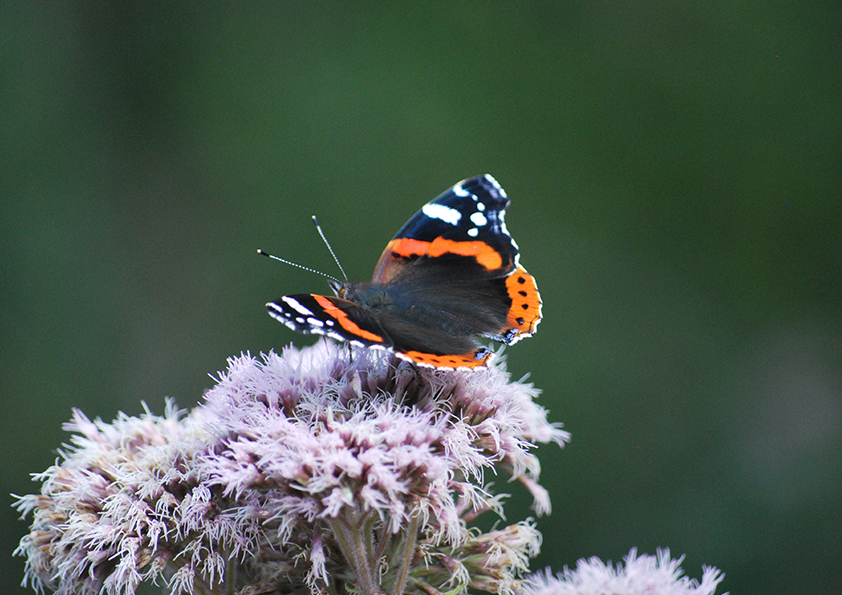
{"x": 466, "y": 360}
{"x": 346, "y": 323}
{"x": 484, "y": 254}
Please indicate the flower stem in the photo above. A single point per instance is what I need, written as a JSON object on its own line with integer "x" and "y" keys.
{"x": 408, "y": 554}
{"x": 427, "y": 588}
{"x": 355, "y": 542}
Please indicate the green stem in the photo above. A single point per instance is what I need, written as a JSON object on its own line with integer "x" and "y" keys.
{"x": 230, "y": 576}
{"x": 408, "y": 554}
{"x": 426, "y": 587}
{"x": 351, "y": 531}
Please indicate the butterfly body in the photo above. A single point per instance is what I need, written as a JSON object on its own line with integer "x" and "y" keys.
{"x": 448, "y": 279}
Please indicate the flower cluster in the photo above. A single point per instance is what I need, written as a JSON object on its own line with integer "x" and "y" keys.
{"x": 325, "y": 470}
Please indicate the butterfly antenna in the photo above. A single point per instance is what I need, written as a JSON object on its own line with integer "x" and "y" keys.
{"x": 332, "y": 253}
{"x": 295, "y": 264}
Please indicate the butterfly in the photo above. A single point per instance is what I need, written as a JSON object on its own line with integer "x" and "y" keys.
{"x": 448, "y": 280}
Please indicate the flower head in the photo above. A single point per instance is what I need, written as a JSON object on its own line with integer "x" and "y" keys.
{"x": 306, "y": 471}
{"x": 641, "y": 575}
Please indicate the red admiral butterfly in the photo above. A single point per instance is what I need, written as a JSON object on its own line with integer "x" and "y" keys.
{"x": 449, "y": 278}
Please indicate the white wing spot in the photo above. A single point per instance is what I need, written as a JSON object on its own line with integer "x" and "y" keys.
{"x": 479, "y": 219}
{"x": 473, "y": 232}
{"x": 315, "y": 322}
{"x": 441, "y": 212}
{"x": 296, "y": 305}
{"x": 480, "y": 206}
{"x": 459, "y": 191}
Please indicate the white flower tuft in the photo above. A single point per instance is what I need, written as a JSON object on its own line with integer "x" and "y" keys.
{"x": 641, "y": 575}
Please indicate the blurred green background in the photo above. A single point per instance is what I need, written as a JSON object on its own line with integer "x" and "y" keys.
{"x": 675, "y": 172}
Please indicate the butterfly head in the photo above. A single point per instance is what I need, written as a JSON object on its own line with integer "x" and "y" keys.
{"x": 339, "y": 288}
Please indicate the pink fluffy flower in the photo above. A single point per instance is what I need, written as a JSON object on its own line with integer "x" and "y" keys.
{"x": 314, "y": 471}
{"x": 641, "y": 575}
